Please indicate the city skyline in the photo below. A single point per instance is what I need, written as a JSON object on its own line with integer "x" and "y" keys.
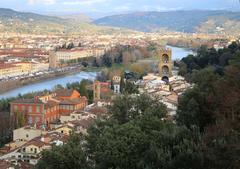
{"x": 108, "y": 7}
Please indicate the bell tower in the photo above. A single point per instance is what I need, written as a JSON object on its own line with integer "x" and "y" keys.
{"x": 165, "y": 64}
{"x": 96, "y": 90}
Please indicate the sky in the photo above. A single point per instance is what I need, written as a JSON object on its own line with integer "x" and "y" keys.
{"x": 115, "y": 6}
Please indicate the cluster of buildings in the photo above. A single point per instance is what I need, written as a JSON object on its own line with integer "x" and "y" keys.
{"x": 60, "y": 57}
{"x": 166, "y": 86}
{"x": 42, "y": 110}
{"x": 167, "y": 92}
{"x": 19, "y": 69}
{"x": 41, "y": 54}
{"x": 50, "y": 120}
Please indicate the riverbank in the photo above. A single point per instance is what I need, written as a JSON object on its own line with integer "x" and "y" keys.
{"x": 8, "y": 90}
{"x": 9, "y": 85}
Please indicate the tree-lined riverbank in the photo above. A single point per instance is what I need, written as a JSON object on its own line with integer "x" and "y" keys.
{"x": 49, "y": 83}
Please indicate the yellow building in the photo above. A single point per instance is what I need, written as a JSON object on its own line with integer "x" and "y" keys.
{"x": 58, "y": 58}
{"x": 26, "y": 67}
{"x": 31, "y": 151}
{"x": 26, "y": 133}
{"x": 64, "y": 129}
{"x": 14, "y": 69}
{"x": 9, "y": 70}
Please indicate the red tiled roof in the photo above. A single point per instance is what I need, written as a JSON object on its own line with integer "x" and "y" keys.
{"x": 36, "y": 142}
{"x": 36, "y": 101}
{"x": 7, "y": 65}
{"x": 72, "y": 101}
{"x": 64, "y": 92}
{"x": 85, "y": 123}
{"x": 98, "y": 111}
{"x": 4, "y": 164}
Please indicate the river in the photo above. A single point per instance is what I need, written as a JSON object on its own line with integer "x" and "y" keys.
{"x": 49, "y": 84}
{"x": 177, "y": 52}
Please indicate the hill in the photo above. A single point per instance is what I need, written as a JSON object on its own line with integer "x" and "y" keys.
{"x": 181, "y": 21}
{"x": 23, "y": 22}
{"x": 82, "y": 18}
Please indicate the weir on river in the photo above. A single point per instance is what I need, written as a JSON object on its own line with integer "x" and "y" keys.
{"x": 177, "y": 53}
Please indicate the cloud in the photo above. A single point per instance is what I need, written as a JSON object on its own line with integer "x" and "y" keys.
{"x": 123, "y": 7}
{"x": 83, "y": 2}
{"x": 45, "y": 2}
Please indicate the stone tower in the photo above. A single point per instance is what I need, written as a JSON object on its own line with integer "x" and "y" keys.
{"x": 165, "y": 64}
{"x": 96, "y": 90}
{"x": 116, "y": 84}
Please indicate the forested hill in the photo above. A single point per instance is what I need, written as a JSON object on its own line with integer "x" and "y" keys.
{"x": 24, "y": 22}
{"x": 183, "y": 21}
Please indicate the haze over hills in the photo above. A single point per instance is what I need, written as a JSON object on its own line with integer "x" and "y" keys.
{"x": 180, "y": 21}
{"x": 205, "y": 21}
{"x": 23, "y": 22}
{"x": 82, "y": 18}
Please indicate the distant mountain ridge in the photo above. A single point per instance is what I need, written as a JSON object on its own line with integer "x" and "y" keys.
{"x": 181, "y": 21}
{"x": 26, "y": 16}
{"x": 26, "y": 22}
{"x": 77, "y": 17}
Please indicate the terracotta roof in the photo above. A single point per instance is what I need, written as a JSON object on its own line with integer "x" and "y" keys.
{"x": 36, "y": 142}
{"x": 51, "y": 103}
{"x": 4, "y": 164}
{"x": 173, "y": 98}
{"x": 85, "y": 123}
{"x": 50, "y": 137}
{"x": 98, "y": 111}
{"x": 105, "y": 90}
{"x": 24, "y": 165}
{"x": 37, "y": 101}
{"x": 7, "y": 65}
{"x": 72, "y": 101}
{"x": 64, "y": 92}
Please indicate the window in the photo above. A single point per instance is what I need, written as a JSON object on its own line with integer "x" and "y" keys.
{"x": 27, "y": 135}
{"x": 37, "y": 119}
{"x": 31, "y": 149}
{"x": 30, "y": 109}
{"x": 24, "y": 149}
{"x": 15, "y": 108}
{"x": 23, "y": 108}
{"x": 38, "y": 109}
{"x": 30, "y": 120}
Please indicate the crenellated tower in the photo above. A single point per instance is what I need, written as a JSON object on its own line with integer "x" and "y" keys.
{"x": 165, "y": 64}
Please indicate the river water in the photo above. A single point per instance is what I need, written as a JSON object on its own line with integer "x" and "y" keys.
{"x": 49, "y": 84}
{"x": 178, "y": 53}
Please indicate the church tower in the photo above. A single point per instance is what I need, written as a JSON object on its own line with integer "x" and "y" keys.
{"x": 96, "y": 90}
{"x": 116, "y": 84}
{"x": 165, "y": 64}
